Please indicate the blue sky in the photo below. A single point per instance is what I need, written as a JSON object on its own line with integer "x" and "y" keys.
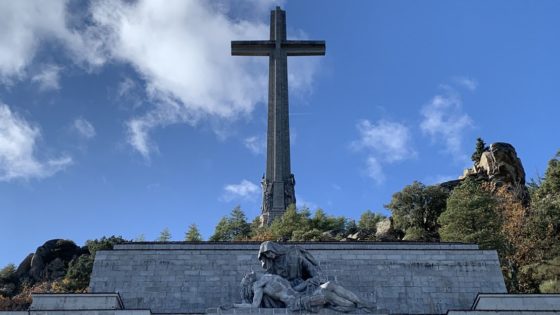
{"x": 124, "y": 118}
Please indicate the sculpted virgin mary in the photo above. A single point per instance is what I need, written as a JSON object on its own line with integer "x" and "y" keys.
{"x": 292, "y": 263}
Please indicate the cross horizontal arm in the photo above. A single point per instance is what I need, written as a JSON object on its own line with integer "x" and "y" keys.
{"x": 265, "y": 47}
{"x": 251, "y": 47}
{"x": 304, "y": 47}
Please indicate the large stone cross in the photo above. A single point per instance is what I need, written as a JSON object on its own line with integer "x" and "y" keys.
{"x": 278, "y": 182}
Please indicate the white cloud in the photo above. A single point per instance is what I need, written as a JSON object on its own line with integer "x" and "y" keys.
{"x": 84, "y": 128}
{"x": 18, "y": 142}
{"x": 27, "y": 24}
{"x": 390, "y": 140}
{"x": 48, "y": 78}
{"x": 374, "y": 170}
{"x": 468, "y": 83}
{"x": 386, "y": 142}
{"x": 244, "y": 190}
{"x": 182, "y": 51}
{"x": 255, "y": 144}
{"x": 444, "y": 120}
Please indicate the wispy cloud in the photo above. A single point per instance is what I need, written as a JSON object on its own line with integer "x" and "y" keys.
{"x": 48, "y": 78}
{"x": 375, "y": 170}
{"x": 468, "y": 83}
{"x": 302, "y": 202}
{"x": 391, "y": 140}
{"x": 182, "y": 51}
{"x": 84, "y": 128}
{"x": 246, "y": 190}
{"x": 125, "y": 87}
{"x": 386, "y": 142}
{"x": 26, "y": 25}
{"x": 444, "y": 121}
{"x": 255, "y": 144}
{"x": 18, "y": 156}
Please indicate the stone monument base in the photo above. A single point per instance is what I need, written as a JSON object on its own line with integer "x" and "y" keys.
{"x": 279, "y": 311}
{"x": 512, "y": 304}
{"x": 397, "y": 278}
{"x": 77, "y": 304}
{"x": 203, "y": 278}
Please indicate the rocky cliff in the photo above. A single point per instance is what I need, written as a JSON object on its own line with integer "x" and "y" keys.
{"x": 501, "y": 167}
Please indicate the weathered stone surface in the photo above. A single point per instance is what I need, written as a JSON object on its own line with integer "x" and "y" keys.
{"x": 385, "y": 231}
{"x": 84, "y": 301}
{"x": 519, "y": 302}
{"x": 500, "y": 166}
{"x": 361, "y": 235}
{"x": 398, "y": 277}
{"x": 503, "y": 313}
{"x": 77, "y": 304}
{"x": 81, "y": 312}
{"x": 500, "y": 163}
{"x": 510, "y": 304}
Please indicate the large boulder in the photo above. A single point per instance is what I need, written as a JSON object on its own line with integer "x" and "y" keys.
{"x": 386, "y": 232}
{"x": 49, "y": 261}
{"x": 361, "y": 235}
{"x": 500, "y": 166}
{"x": 499, "y": 163}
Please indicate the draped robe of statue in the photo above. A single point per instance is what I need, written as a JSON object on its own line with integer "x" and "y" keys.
{"x": 292, "y": 263}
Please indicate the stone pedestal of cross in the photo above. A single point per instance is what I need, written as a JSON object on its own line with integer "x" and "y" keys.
{"x": 278, "y": 182}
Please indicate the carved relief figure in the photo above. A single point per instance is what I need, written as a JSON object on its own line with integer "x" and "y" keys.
{"x": 256, "y": 287}
{"x": 293, "y": 263}
{"x": 267, "y": 195}
{"x": 289, "y": 191}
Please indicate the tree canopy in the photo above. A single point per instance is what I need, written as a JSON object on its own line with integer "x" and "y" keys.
{"x": 416, "y": 210}
{"x": 193, "y": 234}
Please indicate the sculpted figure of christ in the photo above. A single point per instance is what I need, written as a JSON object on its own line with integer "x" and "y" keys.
{"x": 327, "y": 295}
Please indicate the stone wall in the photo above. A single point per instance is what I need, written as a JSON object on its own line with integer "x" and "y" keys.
{"x": 415, "y": 278}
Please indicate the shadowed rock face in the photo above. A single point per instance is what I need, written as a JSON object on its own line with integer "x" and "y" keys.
{"x": 49, "y": 261}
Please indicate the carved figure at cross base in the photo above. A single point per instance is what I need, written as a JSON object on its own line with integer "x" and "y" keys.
{"x": 292, "y": 263}
{"x": 294, "y": 280}
{"x": 328, "y": 295}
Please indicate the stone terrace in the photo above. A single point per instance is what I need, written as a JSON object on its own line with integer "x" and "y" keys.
{"x": 412, "y": 278}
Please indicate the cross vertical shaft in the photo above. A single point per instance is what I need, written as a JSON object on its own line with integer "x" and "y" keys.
{"x": 278, "y": 168}
{"x": 278, "y": 183}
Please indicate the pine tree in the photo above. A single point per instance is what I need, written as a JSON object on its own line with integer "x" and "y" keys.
{"x": 164, "y": 236}
{"x": 480, "y": 148}
{"x": 193, "y": 235}
{"x": 550, "y": 184}
{"x": 368, "y": 221}
{"x": 240, "y": 228}
{"x": 471, "y": 217}
{"x": 232, "y": 228}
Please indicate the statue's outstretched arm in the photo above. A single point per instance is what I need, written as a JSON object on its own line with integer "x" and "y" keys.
{"x": 258, "y": 291}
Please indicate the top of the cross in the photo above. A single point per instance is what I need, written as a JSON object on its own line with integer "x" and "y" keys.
{"x": 278, "y": 41}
